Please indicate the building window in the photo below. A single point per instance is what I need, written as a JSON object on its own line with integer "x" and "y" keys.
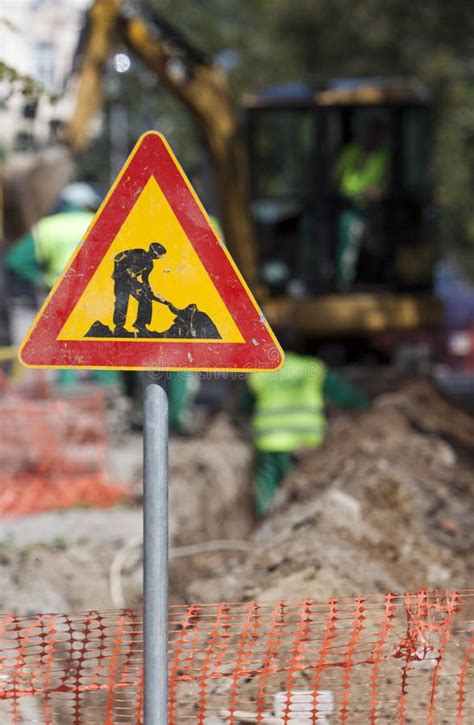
{"x": 44, "y": 63}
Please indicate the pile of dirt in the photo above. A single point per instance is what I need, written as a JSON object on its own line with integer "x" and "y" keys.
{"x": 210, "y": 501}
{"x": 384, "y": 505}
{"x": 210, "y": 485}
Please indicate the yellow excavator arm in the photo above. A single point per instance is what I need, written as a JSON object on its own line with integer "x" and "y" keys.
{"x": 197, "y": 82}
{"x": 96, "y": 48}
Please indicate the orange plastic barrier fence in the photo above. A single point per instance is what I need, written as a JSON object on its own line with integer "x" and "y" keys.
{"x": 375, "y": 659}
{"x": 53, "y": 454}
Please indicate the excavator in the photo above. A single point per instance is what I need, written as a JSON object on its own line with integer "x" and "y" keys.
{"x": 272, "y": 179}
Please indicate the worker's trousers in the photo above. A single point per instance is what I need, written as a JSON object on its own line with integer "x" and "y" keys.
{"x": 271, "y": 467}
{"x": 182, "y": 389}
{"x": 351, "y": 232}
{"x": 123, "y": 290}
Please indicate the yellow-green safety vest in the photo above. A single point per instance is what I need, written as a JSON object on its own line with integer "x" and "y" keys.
{"x": 289, "y": 405}
{"x": 359, "y": 171}
{"x": 56, "y": 238}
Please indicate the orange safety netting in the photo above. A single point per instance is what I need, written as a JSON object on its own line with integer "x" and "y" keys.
{"x": 372, "y": 659}
{"x": 53, "y": 454}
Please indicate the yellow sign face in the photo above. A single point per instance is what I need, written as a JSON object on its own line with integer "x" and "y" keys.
{"x": 177, "y": 276}
{"x": 151, "y": 287}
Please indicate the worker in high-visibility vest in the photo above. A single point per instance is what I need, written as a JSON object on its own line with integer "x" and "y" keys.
{"x": 361, "y": 176}
{"x": 288, "y": 415}
{"x": 40, "y": 256}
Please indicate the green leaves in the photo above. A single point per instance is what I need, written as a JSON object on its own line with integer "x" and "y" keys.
{"x": 13, "y": 82}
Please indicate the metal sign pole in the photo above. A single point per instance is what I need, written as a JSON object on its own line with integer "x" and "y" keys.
{"x": 155, "y": 552}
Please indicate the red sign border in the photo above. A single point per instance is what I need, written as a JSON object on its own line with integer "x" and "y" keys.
{"x": 260, "y": 349}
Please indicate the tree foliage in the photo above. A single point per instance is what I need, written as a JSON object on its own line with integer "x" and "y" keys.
{"x": 12, "y": 82}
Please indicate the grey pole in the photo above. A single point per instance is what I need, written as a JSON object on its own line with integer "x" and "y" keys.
{"x": 155, "y": 552}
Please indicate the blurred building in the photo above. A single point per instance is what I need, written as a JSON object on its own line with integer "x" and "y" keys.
{"x": 38, "y": 39}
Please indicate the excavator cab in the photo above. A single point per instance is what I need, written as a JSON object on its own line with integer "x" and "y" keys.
{"x": 297, "y": 135}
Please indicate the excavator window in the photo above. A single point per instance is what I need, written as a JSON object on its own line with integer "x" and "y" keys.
{"x": 317, "y": 234}
{"x": 284, "y": 169}
{"x": 283, "y": 147}
{"x": 415, "y": 153}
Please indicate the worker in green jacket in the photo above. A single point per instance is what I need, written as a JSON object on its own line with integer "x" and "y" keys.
{"x": 40, "y": 256}
{"x": 361, "y": 176}
{"x": 288, "y": 415}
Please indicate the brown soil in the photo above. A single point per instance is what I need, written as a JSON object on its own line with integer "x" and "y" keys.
{"x": 384, "y": 505}
{"x": 60, "y": 561}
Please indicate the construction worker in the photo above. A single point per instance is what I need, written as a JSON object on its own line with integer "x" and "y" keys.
{"x": 361, "y": 176}
{"x": 288, "y": 415}
{"x": 40, "y": 256}
{"x": 132, "y": 269}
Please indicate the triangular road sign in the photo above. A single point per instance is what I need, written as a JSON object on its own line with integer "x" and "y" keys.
{"x": 151, "y": 286}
